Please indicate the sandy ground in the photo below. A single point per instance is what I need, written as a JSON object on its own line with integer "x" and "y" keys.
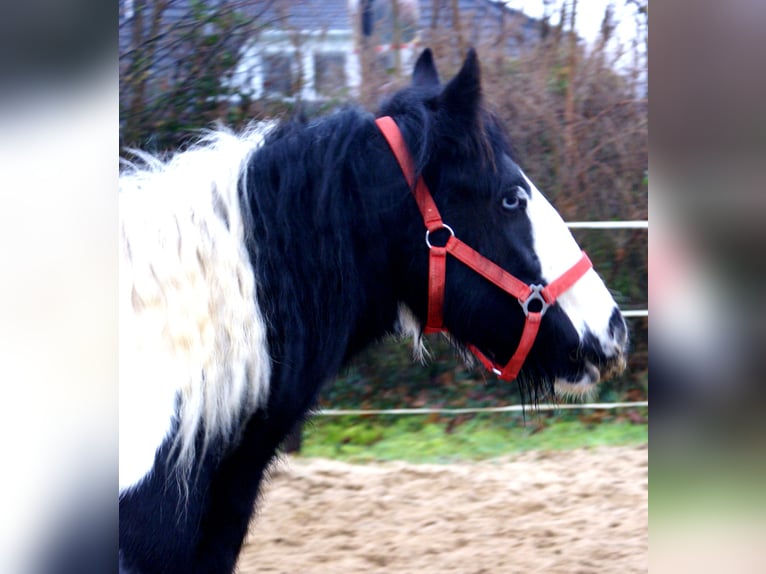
{"x": 564, "y": 512}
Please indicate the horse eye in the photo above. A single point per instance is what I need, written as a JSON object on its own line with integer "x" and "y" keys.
{"x": 513, "y": 200}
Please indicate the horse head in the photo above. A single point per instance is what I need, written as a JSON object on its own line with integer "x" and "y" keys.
{"x": 485, "y": 199}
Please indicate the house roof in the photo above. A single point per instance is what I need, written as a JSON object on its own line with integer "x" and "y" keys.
{"x": 309, "y": 15}
{"x": 480, "y": 16}
{"x": 481, "y": 9}
{"x": 481, "y": 19}
{"x": 320, "y": 15}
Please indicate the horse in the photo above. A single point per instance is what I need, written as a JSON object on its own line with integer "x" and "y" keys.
{"x": 254, "y": 265}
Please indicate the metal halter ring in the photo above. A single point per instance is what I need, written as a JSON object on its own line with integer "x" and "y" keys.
{"x": 536, "y": 294}
{"x": 429, "y": 231}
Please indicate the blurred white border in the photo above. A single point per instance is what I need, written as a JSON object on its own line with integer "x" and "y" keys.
{"x": 58, "y": 320}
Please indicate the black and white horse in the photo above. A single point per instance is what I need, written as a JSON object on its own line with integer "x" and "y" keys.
{"x": 255, "y": 265}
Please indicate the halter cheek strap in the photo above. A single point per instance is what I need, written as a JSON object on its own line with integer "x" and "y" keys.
{"x": 437, "y": 266}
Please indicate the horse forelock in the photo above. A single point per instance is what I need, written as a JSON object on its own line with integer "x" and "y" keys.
{"x": 429, "y": 130}
{"x": 194, "y": 353}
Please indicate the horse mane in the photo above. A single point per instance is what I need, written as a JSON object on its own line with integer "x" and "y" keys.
{"x": 320, "y": 162}
{"x": 303, "y": 205}
{"x": 426, "y": 129}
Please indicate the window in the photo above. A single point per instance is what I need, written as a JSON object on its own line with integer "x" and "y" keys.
{"x": 277, "y": 75}
{"x": 330, "y": 74}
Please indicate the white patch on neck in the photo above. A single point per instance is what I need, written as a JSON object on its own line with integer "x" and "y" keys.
{"x": 588, "y": 304}
{"x": 191, "y": 331}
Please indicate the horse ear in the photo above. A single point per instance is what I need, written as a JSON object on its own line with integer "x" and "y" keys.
{"x": 425, "y": 73}
{"x": 462, "y": 95}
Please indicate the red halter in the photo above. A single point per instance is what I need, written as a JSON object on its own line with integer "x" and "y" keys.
{"x": 437, "y": 266}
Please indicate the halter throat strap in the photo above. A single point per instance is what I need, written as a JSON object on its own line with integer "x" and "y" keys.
{"x": 546, "y": 295}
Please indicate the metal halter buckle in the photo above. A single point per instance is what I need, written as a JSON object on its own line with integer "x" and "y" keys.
{"x": 430, "y": 231}
{"x": 536, "y": 294}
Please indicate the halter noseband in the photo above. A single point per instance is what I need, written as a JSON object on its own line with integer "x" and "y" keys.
{"x": 437, "y": 266}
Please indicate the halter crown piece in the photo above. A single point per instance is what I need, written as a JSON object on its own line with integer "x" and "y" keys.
{"x": 437, "y": 266}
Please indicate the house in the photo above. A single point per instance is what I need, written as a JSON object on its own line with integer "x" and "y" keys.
{"x": 311, "y": 50}
{"x": 306, "y": 53}
{"x": 313, "y": 53}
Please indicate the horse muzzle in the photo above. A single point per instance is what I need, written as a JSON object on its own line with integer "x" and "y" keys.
{"x": 592, "y": 374}
{"x": 603, "y": 359}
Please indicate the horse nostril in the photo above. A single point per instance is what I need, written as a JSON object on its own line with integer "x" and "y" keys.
{"x": 618, "y": 330}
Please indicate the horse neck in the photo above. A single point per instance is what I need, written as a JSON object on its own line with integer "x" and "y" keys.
{"x": 325, "y": 205}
